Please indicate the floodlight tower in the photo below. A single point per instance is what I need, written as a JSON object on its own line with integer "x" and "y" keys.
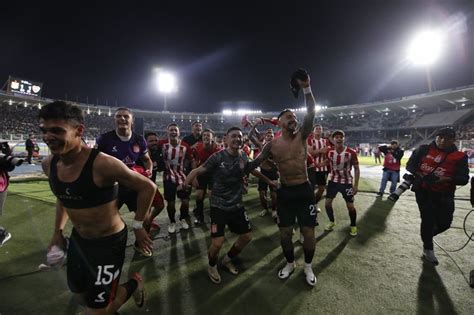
{"x": 424, "y": 50}
{"x": 166, "y": 83}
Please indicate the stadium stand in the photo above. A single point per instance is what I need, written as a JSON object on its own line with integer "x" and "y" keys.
{"x": 412, "y": 120}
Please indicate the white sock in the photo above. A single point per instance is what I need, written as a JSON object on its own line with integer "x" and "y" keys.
{"x": 308, "y": 266}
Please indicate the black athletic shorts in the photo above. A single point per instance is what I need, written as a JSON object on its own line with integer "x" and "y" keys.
{"x": 127, "y": 196}
{"x": 171, "y": 191}
{"x": 94, "y": 266}
{"x": 312, "y": 176}
{"x": 237, "y": 221}
{"x": 296, "y": 202}
{"x": 204, "y": 182}
{"x": 320, "y": 178}
{"x": 345, "y": 189}
{"x": 271, "y": 174}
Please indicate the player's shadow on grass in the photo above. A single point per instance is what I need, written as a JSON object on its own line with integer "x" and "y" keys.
{"x": 431, "y": 289}
{"x": 332, "y": 255}
{"x": 374, "y": 220}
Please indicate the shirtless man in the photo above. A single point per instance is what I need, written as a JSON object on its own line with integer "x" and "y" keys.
{"x": 296, "y": 196}
{"x": 85, "y": 184}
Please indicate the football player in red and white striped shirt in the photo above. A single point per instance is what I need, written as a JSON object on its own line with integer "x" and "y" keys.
{"x": 341, "y": 159}
{"x": 318, "y": 148}
{"x": 176, "y": 154}
{"x": 202, "y": 152}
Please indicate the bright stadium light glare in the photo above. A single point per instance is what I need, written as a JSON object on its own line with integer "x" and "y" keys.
{"x": 166, "y": 82}
{"x": 425, "y": 48}
{"x": 227, "y": 112}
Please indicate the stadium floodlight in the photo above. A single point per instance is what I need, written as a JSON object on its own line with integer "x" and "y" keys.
{"x": 166, "y": 84}
{"x": 425, "y": 48}
{"x": 227, "y": 112}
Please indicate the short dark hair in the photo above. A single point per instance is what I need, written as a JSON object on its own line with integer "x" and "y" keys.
{"x": 394, "y": 142}
{"x": 286, "y": 110}
{"x": 232, "y": 129}
{"x": 338, "y": 132}
{"x": 61, "y": 110}
{"x": 150, "y": 133}
{"x": 171, "y": 125}
{"x": 317, "y": 125}
{"x": 196, "y": 122}
{"x": 123, "y": 108}
{"x": 209, "y": 130}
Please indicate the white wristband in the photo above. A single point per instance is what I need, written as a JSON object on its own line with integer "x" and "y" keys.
{"x": 307, "y": 90}
{"x": 136, "y": 225}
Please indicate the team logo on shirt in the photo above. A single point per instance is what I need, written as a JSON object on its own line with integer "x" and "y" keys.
{"x": 136, "y": 148}
{"x": 437, "y": 159}
{"x": 114, "y": 149}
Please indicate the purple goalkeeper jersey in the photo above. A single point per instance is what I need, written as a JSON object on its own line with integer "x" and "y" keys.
{"x": 126, "y": 151}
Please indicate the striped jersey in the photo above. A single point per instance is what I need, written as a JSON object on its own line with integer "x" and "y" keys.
{"x": 317, "y": 144}
{"x": 340, "y": 165}
{"x": 175, "y": 158}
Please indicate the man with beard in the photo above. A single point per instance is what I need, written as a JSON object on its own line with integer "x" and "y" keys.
{"x": 227, "y": 167}
{"x": 295, "y": 196}
{"x": 84, "y": 182}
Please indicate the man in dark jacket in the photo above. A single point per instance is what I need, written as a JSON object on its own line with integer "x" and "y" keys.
{"x": 30, "y": 145}
{"x": 391, "y": 166}
{"x": 438, "y": 168}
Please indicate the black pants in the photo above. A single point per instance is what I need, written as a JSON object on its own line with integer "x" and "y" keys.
{"x": 436, "y": 210}
{"x": 28, "y": 158}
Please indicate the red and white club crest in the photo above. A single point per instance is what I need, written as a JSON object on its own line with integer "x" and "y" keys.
{"x": 136, "y": 148}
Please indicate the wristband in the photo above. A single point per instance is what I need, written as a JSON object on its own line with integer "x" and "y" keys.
{"x": 136, "y": 225}
{"x": 307, "y": 90}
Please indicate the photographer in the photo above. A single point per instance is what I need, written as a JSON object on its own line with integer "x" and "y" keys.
{"x": 391, "y": 166}
{"x": 7, "y": 164}
{"x": 438, "y": 168}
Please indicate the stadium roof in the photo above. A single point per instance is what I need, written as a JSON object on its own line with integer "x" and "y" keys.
{"x": 442, "y": 100}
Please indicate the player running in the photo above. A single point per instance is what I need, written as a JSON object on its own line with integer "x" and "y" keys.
{"x": 84, "y": 182}
{"x": 341, "y": 159}
{"x": 227, "y": 168}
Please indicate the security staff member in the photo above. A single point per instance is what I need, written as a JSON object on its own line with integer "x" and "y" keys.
{"x": 438, "y": 168}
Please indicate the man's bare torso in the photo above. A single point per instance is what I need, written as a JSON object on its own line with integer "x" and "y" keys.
{"x": 290, "y": 156}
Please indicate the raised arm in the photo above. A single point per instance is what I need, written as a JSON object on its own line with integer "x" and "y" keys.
{"x": 253, "y": 136}
{"x": 265, "y": 154}
{"x": 308, "y": 119}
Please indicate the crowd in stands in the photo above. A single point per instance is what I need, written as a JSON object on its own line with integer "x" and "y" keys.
{"x": 19, "y": 120}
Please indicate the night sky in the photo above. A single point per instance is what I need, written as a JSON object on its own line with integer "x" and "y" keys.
{"x": 232, "y": 55}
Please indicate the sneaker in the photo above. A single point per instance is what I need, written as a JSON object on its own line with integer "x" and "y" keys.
{"x": 429, "y": 256}
{"x": 380, "y": 194}
{"x": 309, "y": 276}
{"x": 353, "y": 231}
{"x": 330, "y": 226}
{"x": 227, "y": 264}
{"x": 172, "y": 228}
{"x": 301, "y": 238}
{"x": 263, "y": 213}
{"x": 139, "y": 293}
{"x": 184, "y": 224}
{"x": 214, "y": 274}
{"x": 274, "y": 214}
{"x": 4, "y": 237}
{"x": 286, "y": 271}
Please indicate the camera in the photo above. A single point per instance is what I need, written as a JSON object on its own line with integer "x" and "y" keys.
{"x": 10, "y": 160}
{"x": 6, "y": 158}
{"x": 298, "y": 74}
{"x": 408, "y": 181}
{"x": 413, "y": 181}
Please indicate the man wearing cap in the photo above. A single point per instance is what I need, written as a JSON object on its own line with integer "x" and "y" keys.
{"x": 438, "y": 168}
{"x": 391, "y": 166}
